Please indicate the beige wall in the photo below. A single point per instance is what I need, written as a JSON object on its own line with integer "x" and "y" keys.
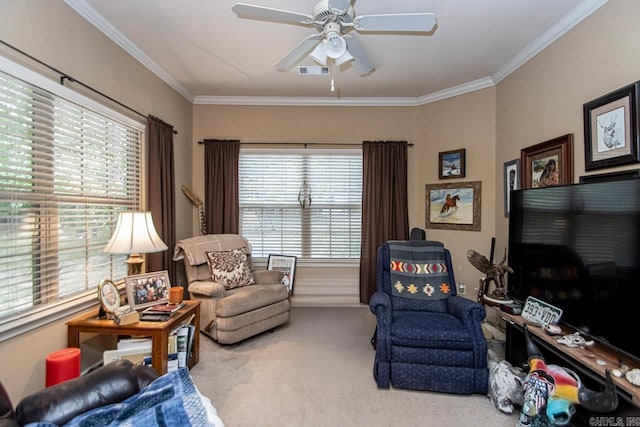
{"x": 543, "y": 99}
{"x": 466, "y": 121}
{"x": 53, "y": 33}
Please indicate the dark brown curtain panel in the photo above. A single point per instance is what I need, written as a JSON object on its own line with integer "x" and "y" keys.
{"x": 161, "y": 193}
{"x": 385, "y": 214}
{"x": 221, "y": 158}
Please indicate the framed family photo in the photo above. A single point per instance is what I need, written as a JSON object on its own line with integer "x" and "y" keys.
{"x": 454, "y": 206}
{"x": 286, "y": 264}
{"x": 144, "y": 290}
{"x": 611, "y": 129}
{"x": 511, "y": 182}
{"x": 451, "y": 164}
{"x": 548, "y": 163}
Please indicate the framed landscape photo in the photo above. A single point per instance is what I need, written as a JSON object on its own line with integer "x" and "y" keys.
{"x": 611, "y": 129}
{"x": 548, "y": 163}
{"x": 511, "y": 182}
{"x": 454, "y": 206}
{"x": 144, "y": 290}
{"x": 451, "y": 164}
{"x": 286, "y": 264}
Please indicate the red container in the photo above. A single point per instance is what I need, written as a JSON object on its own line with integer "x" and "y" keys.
{"x": 63, "y": 365}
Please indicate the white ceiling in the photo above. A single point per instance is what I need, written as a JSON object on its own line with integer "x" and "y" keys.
{"x": 209, "y": 55}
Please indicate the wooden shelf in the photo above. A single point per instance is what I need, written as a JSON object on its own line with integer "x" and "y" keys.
{"x": 586, "y": 356}
{"x": 158, "y": 331}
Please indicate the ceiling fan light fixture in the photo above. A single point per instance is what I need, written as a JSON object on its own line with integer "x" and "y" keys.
{"x": 346, "y": 57}
{"x": 319, "y": 54}
{"x": 334, "y": 45}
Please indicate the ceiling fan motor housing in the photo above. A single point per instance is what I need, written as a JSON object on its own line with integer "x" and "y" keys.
{"x": 323, "y": 14}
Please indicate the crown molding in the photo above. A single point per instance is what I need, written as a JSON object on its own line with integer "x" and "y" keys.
{"x": 573, "y": 18}
{"x": 461, "y": 89}
{"x": 348, "y": 102}
{"x": 85, "y": 10}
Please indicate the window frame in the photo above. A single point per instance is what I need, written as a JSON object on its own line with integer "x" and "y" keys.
{"x": 301, "y": 260}
{"x": 17, "y": 324}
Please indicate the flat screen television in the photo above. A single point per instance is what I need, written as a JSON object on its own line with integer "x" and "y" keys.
{"x": 578, "y": 247}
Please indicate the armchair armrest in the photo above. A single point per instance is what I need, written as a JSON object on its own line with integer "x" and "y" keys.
{"x": 380, "y": 305}
{"x": 471, "y": 313}
{"x": 466, "y": 309}
{"x": 206, "y": 288}
{"x": 268, "y": 277}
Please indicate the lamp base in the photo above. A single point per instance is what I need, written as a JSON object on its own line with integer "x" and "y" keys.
{"x": 134, "y": 262}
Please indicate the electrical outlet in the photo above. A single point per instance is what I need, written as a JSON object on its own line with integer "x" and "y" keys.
{"x": 462, "y": 289}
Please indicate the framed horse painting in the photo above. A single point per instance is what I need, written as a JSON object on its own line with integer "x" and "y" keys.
{"x": 454, "y": 206}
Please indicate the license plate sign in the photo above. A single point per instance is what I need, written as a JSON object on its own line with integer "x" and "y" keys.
{"x": 540, "y": 312}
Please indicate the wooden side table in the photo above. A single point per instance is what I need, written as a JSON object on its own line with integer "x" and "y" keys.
{"x": 158, "y": 331}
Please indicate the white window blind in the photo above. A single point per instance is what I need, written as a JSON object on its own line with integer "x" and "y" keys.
{"x": 65, "y": 172}
{"x": 272, "y": 218}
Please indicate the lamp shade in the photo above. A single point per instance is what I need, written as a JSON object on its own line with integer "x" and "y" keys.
{"x": 135, "y": 233}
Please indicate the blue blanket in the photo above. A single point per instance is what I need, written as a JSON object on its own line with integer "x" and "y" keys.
{"x": 170, "y": 400}
{"x": 419, "y": 270}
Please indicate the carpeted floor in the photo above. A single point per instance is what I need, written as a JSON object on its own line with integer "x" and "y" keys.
{"x": 317, "y": 371}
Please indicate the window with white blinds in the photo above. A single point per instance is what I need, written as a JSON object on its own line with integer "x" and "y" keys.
{"x": 273, "y": 186}
{"x": 65, "y": 172}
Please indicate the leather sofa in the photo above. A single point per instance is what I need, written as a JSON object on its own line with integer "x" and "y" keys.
{"x": 231, "y": 315}
{"x": 60, "y": 403}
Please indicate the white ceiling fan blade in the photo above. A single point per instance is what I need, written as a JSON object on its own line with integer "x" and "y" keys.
{"x": 360, "y": 62}
{"x": 423, "y": 22}
{"x": 340, "y": 5}
{"x": 261, "y": 13}
{"x": 298, "y": 53}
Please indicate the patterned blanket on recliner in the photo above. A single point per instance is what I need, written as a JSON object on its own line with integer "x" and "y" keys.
{"x": 419, "y": 270}
{"x": 170, "y": 400}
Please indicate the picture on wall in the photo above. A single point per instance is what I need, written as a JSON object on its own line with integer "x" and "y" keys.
{"x": 453, "y": 206}
{"x": 548, "y": 163}
{"x": 451, "y": 164}
{"x": 612, "y": 129}
{"x": 511, "y": 182}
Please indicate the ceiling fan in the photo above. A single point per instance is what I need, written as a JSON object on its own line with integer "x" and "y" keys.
{"x": 331, "y": 18}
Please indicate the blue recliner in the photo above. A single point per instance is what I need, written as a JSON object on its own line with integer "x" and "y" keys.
{"x": 427, "y": 338}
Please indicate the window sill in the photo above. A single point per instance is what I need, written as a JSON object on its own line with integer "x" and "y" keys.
{"x": 21, "y": 323}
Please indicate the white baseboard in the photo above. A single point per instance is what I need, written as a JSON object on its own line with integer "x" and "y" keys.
{"x": 326, "y": 301}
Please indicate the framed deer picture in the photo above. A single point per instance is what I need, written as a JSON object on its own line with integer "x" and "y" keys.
{"x": 611, "y": 129}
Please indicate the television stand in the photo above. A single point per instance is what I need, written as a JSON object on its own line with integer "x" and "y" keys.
{"x": 581, "y": 360}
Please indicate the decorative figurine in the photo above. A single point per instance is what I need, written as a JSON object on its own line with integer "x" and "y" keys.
{"x": 551, "y": 391}
{"x": 575, "y": 340}
{"x": 493, "y": 273}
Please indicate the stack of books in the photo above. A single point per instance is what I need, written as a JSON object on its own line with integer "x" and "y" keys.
{"x": 160, "y": 312}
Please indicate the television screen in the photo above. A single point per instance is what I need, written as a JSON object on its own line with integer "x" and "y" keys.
{"x": 578, "y": 247}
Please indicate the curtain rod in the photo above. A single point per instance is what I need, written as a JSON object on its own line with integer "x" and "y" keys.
{"x": 305, "y": 144}
{"x": 64, "y": 76}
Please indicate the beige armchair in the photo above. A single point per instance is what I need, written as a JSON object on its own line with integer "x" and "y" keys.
{"x": 231, "y": 315}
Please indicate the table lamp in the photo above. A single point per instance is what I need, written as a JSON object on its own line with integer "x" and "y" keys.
{"x": 135, "y": 234}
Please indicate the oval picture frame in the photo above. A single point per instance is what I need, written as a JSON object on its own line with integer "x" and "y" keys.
{"x": 109, "y": 296}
